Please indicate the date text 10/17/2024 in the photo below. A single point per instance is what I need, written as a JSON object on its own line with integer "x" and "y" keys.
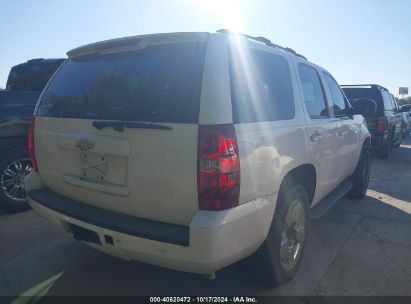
{"x": 234, "y": 299}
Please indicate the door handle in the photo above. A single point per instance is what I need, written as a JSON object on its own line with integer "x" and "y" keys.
{"x": 315, "y": 137}
{"x": 343, "y": 132}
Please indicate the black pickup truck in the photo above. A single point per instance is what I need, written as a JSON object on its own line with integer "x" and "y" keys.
{"x": 24, "y": 86}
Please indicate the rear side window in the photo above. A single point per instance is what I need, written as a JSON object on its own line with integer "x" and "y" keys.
{"x": 337, "y": 96}
{"x": 388, "y": 106}
{"x": 394, "y": 102}
{"x": 160, "y": 83}
{"x": 261, "y": 86}
{"x": 313, "y": 92}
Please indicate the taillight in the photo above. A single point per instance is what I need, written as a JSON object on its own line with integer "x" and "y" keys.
{"x": 32, "y": 155}
{"x": 218, "y": 168}
{"x": 382, "y": 123}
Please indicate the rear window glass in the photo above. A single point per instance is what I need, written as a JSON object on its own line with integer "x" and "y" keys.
{"x": 359, "y": 93}
{"x": 32, "y": 76}
{"x": 160, "y": 83}
{"x": 261, "y": 86}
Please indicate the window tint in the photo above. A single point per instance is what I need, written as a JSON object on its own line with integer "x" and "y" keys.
{"x": 313, "y": 92}
{"x": 353, "y": 93}
{"x": 261, "y": 86}
{"x": 387, "y": 101}
{"x": 373, "y": 93}
{"x": 394, "y": 102}
{"x": 337, "y": 97}
{"x": 32, "y": 76}
{"x": 160, "y": 83}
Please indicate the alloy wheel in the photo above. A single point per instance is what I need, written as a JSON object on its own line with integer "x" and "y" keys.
{"x": 293, "y": 235}
{"x": 12, "y": 179}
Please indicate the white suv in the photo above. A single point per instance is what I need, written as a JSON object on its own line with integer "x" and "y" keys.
{"x": 193, "y": 151}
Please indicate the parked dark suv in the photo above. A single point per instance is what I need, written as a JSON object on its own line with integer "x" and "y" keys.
{"x": 24, "y": 86}
{"x": 385, "y": 123}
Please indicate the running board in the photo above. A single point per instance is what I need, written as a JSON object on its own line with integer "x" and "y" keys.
{"x": 327, "y": 202}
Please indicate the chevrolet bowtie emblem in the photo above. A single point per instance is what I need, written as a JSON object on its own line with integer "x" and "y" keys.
{"x": 85, "y": 144}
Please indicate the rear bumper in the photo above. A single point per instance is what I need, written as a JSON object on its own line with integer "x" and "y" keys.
{"x": 153, "y": 230}
{"x": 379, "y": 140}
{"x": 212, "y": 241}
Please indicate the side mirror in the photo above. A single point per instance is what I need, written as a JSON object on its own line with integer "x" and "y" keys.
{"x": 363, "y": 106}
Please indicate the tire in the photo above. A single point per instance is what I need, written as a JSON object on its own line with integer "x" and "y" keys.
{"x": 12, "y": 196}
{"x": 404, "y": 133}
{"x": 397, "y": 143}
{"x": 361, "y": 175}
{"x": 267, "y": 262}
{"x": 385, "y": 151}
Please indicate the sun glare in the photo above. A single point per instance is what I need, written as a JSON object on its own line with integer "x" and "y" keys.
{"x": 228, "y": 11}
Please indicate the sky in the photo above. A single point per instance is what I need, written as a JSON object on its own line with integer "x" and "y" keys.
{"x": 367, "y": 41}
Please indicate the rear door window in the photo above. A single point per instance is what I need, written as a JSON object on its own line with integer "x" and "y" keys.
{"x": 161, "y": 83}
{"x": 261, "y": 86}
{"x": 313, "y": 92}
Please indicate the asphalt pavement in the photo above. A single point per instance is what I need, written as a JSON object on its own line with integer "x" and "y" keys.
{"x": 361, "y": 247}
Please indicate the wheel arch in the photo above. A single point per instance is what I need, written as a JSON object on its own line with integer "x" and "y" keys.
{"x": 305, "y": 175}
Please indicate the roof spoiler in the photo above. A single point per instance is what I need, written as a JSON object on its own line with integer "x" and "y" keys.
{"x": 135, "y": 43}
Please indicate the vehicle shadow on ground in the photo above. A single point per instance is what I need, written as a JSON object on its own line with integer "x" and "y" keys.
{"x": 378, "y": 216}
{"x": 6, "y": 213}
{"x": 85, "y": 271}
{"x": 390, "y": 176}
{"x": 372, "y": 207}
{"x": 374, "y": 259}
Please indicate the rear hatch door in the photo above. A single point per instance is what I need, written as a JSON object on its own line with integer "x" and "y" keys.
{"x": 118, "y": 129}
{"x": 359, "y": 94}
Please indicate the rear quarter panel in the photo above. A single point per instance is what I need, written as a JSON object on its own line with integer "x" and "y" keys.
{"x": 269, "y": 150}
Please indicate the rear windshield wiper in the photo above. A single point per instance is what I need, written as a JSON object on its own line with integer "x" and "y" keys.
{"x": 120, "y": 125}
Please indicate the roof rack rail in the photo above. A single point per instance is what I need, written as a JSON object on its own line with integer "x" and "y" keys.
{"x": 262, "y": 40}
{"x": 360, "y": 85}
